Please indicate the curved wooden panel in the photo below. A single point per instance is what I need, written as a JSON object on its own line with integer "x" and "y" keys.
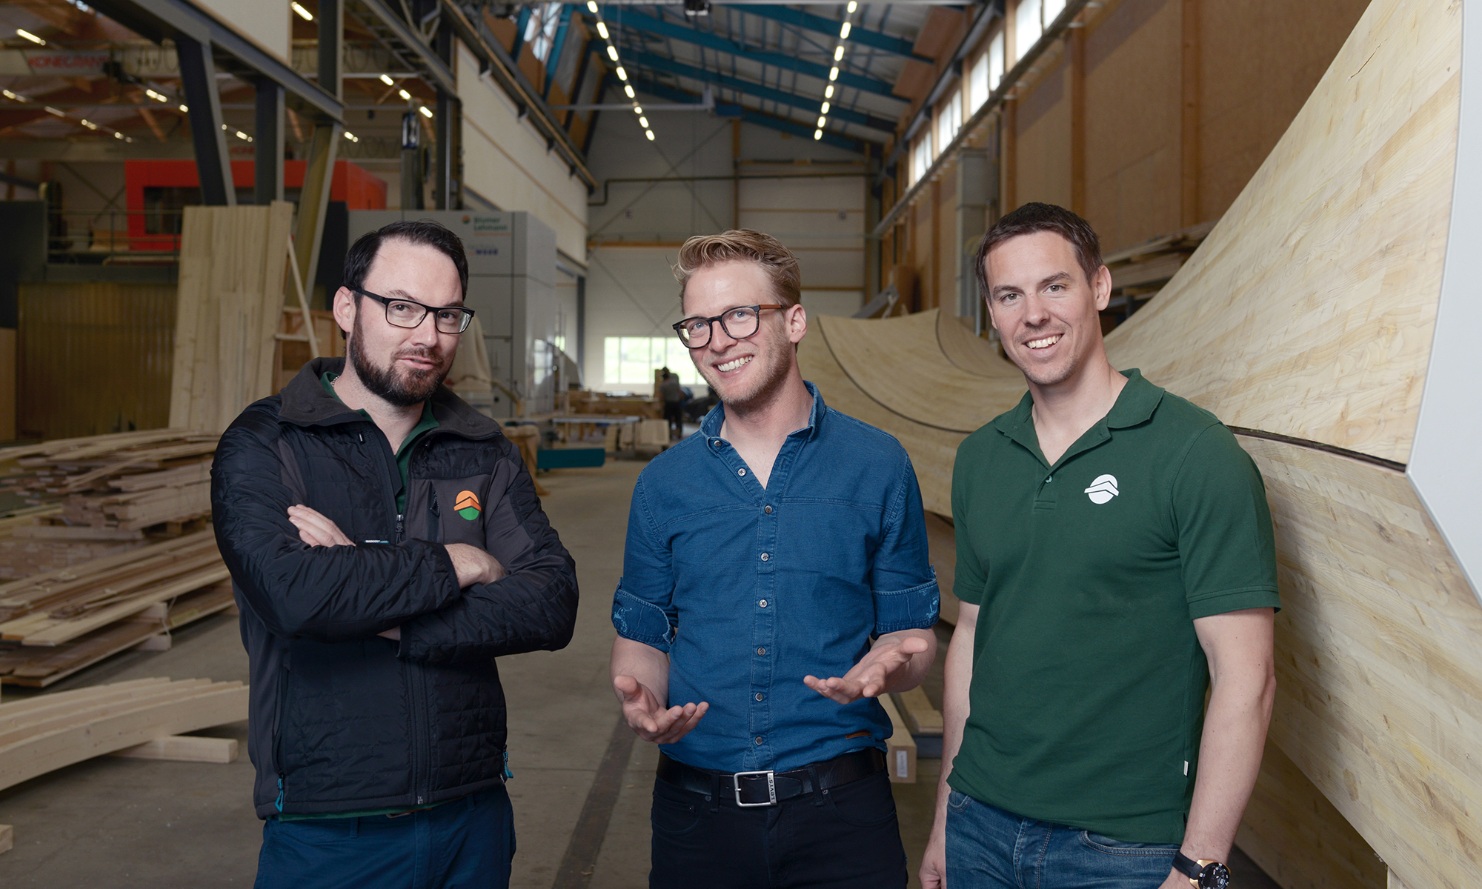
{"x": 932, "y": 450}
{"x": 1310, "y": 308}
{"x": 1379, "y": 669}
{"x": 929, "y": 388}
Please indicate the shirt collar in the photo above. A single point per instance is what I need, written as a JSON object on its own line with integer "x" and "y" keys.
{"x": 1135, "y": 404}
{"x": 712, "y": 423}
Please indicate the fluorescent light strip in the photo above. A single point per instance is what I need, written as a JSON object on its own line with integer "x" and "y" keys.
{"x": 31, "y": 37}
{"x": 622, "y": 73}
{"x": 302, "y": 12}
{"x": 828, "y": 89}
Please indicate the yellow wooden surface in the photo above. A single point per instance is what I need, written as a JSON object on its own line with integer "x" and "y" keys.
{"x": 231, "y": 298}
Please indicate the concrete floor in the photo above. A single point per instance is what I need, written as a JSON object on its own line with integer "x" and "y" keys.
{"x": 581, "y": 788}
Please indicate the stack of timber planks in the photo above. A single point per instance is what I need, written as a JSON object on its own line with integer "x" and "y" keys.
{"x": 1139, "y": 272}
{"x": 58, "y": 622}
{"x": 233, "y": 262}
{"x": 119, "y": 509}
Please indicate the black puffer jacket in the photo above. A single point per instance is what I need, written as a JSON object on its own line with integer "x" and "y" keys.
{"x": 341, "y": 718}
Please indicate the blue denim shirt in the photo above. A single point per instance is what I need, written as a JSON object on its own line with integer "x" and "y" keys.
{"x": 749, "y": 589}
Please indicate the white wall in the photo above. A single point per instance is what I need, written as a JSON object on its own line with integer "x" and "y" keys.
{"x": 265, "y": 23}
{"x": 505, "y": 160}
{"x": 700, "y": 176}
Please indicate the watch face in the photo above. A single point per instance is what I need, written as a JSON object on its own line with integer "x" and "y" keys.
{"x": 1214, "y": 876}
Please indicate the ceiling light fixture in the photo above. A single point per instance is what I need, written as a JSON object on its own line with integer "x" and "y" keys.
{"x": 302, "y": 12}
{"x": 426, "y": 112}
{"x": 404, "y": 94}
{"x": 833, "y": 74}
{"x": 31, "y": 37}
{"x": 620, "y": 71}
{"x": 386, "y": 79}
{"x": 351, "y": 136}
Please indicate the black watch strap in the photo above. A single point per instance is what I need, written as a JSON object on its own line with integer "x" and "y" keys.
{"x": 1202, "y": 874}
{"x": 1186, "y": 865}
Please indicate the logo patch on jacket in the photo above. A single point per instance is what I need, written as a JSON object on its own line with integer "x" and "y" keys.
{"x": 467, "y": 505}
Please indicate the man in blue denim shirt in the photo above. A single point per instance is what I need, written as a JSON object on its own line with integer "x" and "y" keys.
{"x": 776, "y": 582}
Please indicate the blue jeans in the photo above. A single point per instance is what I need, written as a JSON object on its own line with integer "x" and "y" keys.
{"x": 464, "y": 843}
{"x": 845, "y": 837}
{"x": 988, "y": 848}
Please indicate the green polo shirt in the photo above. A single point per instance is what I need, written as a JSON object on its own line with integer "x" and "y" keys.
{"x": 1088, "y": 686}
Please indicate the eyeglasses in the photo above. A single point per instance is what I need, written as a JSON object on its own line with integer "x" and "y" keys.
{"x": 409, "y": 313}
{"x": 738, "y": 323}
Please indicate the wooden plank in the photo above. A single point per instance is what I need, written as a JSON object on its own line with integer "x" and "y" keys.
{"x": 183, "y": 748}
{"x": 190, "y": 708}
{"x": 918, "y": 713}
{"x": 900, "y": 750}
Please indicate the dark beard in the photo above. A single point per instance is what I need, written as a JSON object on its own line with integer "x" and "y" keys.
{"x": 406, "y": 390}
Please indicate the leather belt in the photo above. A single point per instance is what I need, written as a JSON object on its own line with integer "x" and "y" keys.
{"x": 768, "y": 787}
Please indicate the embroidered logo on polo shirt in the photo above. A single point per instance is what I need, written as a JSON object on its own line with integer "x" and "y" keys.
{"x": 467, "y": 505}
{"x": 1103, "y": 489}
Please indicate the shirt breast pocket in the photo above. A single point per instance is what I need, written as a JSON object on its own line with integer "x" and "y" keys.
{"x": 458, "y": 510}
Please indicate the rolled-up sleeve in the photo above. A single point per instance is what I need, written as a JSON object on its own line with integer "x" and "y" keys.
{"x": 903, "y": 580}
{"x": 643, "y": 605}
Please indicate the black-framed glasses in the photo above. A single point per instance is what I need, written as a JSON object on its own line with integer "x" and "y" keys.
{"x": 738, "y": 322}
{"x": 409, "y": 313}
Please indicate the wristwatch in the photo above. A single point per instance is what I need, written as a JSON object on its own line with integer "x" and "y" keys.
{"x": 1202, "y": 874}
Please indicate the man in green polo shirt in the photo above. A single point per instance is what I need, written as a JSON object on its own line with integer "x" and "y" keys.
{"x": 1115, "y": 562}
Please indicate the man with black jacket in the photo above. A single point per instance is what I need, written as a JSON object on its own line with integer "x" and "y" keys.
{"x": 386, "y": 545}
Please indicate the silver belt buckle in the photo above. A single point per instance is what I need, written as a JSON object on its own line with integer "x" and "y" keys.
{"x": 771, "y": 788}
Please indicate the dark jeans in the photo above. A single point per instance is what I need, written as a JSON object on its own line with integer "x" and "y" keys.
{"x": 844, "y": 837}
{"x": 988, "y": 848}
{"x": 674, "y": 413}
{"x": 465, "y": 843}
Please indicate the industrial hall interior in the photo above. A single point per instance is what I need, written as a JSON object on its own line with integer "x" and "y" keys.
{"x": 194, "y": 196}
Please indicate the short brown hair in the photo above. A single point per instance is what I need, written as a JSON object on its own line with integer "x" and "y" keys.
{"x": 1035, "y": 217}
{"x": 742, "y": 245}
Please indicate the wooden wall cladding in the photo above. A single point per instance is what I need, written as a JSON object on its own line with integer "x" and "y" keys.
{"x": 1306, "y": 315}
{"x": 1132, "y": 115}
{"x": 1042, "y": 137}
{"x": 1254, "y": 78}
{"x": 93, "y": 358}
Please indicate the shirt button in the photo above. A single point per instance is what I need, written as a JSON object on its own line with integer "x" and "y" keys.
{"x": 763, "y": 603}
{"x": 760, "y": 696}
{"x": 761, "y": 651}
{"x": 740, "y": 472}
{"x": 758, "y": 740}
{"x": 766, "y": 557}
{"x": 767, "y": 510}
